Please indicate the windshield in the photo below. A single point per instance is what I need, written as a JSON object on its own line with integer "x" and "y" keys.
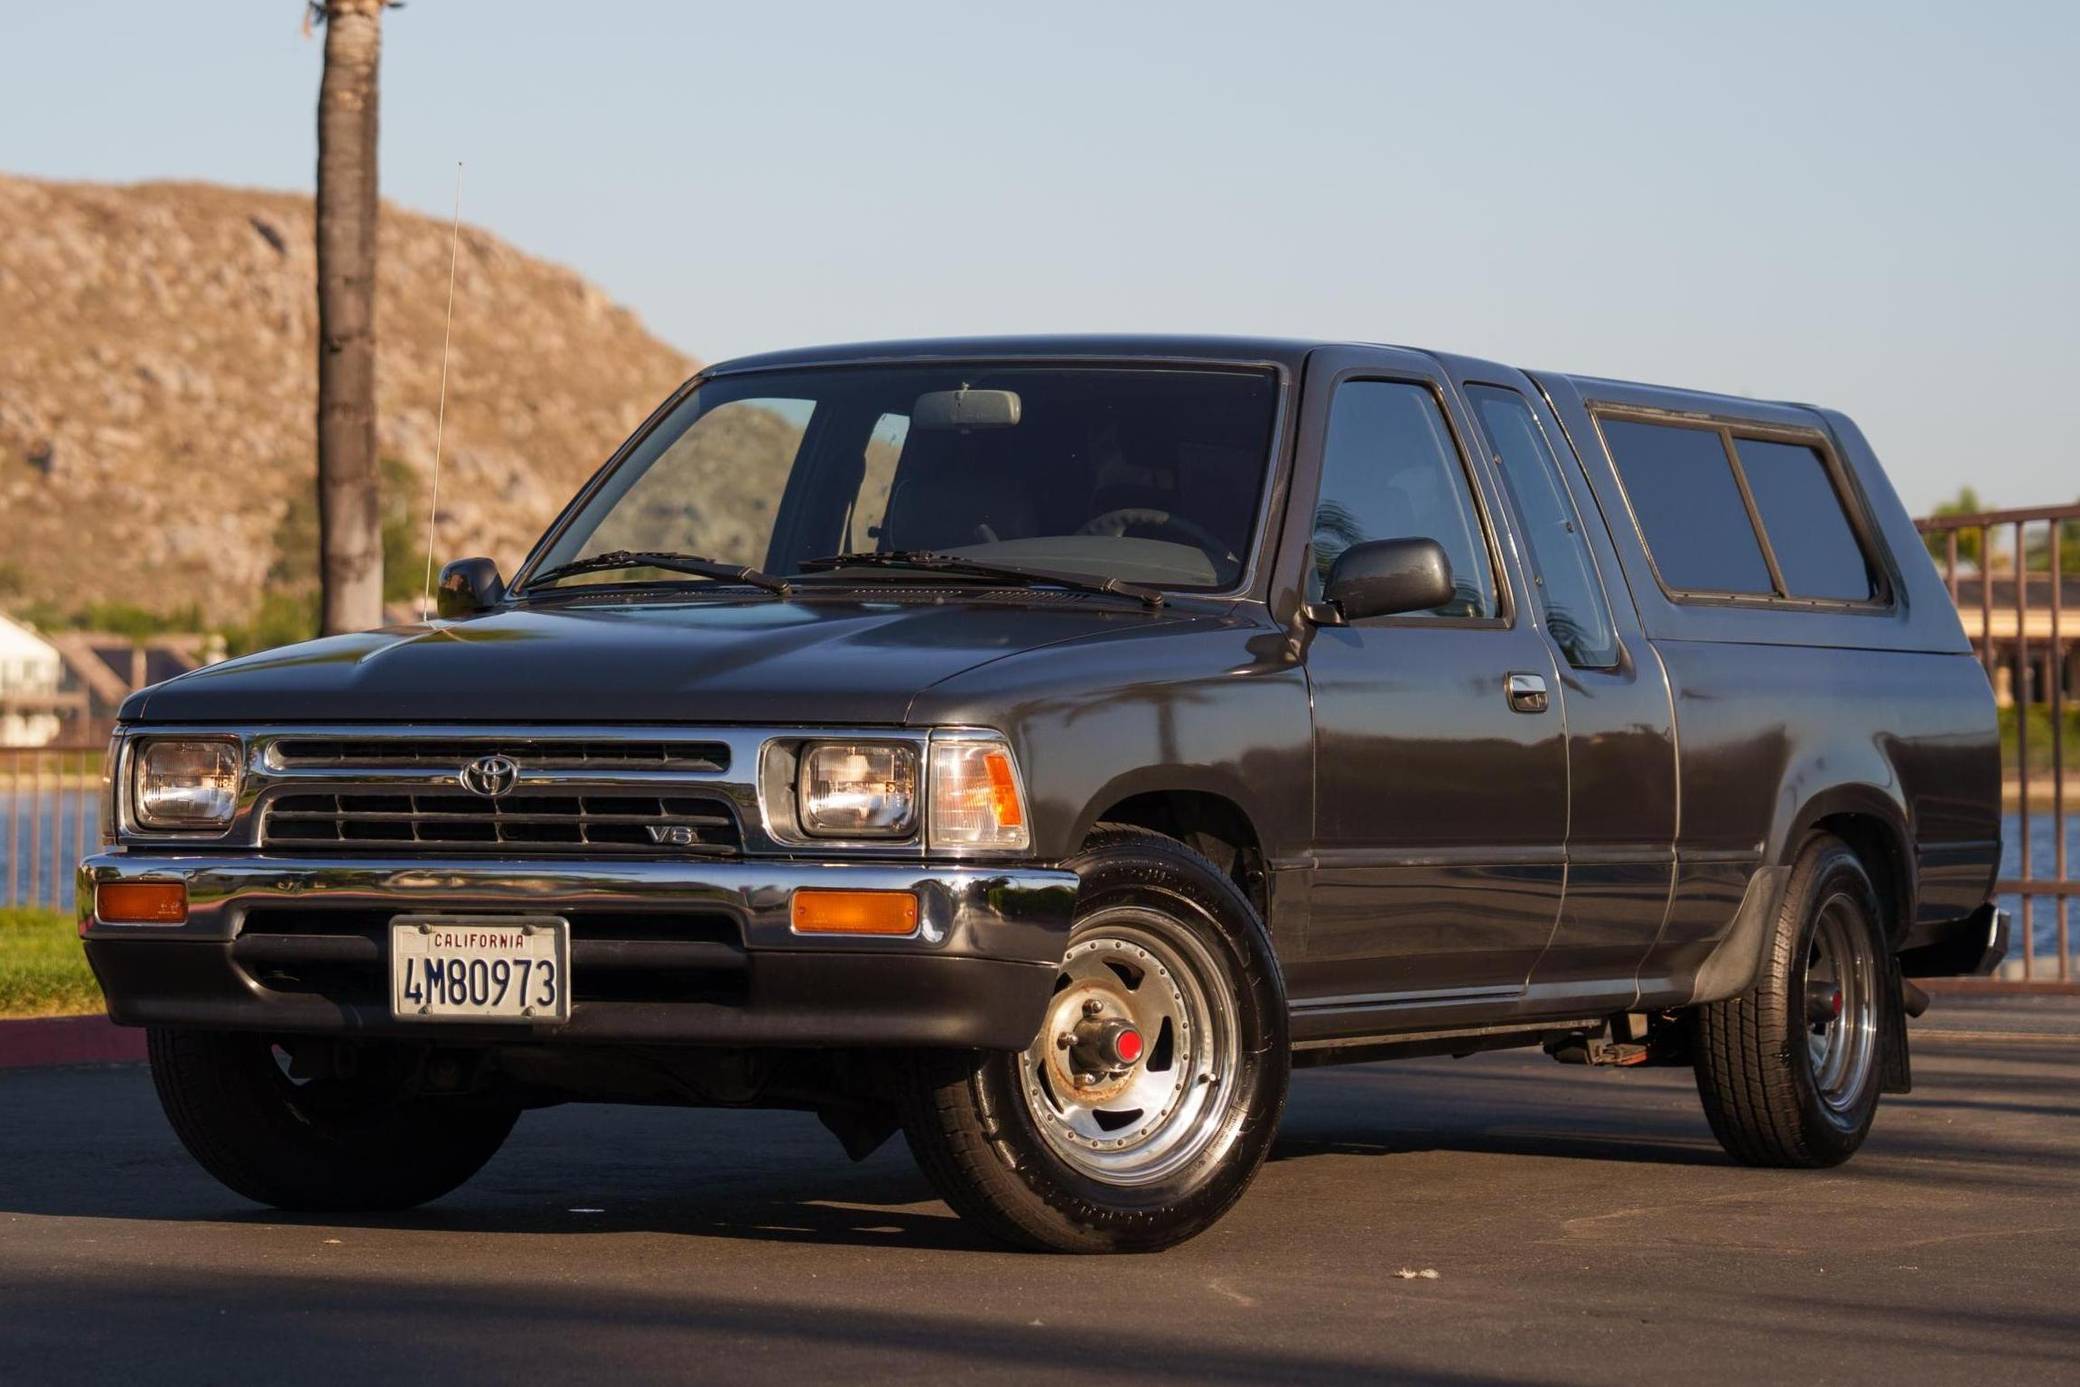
{"x": 1151, "y": 476}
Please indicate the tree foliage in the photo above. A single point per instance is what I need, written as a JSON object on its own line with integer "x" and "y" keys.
{"x": 2068, "y": 548}
{"x": 1966, "y": 502}
{"x": 297, "y": 565}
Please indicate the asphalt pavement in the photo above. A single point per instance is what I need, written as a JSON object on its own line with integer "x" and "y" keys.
{"x": 1488, "y": 1220}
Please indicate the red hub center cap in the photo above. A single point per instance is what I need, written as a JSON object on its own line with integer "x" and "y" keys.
{"x": 1126, "y": 1044}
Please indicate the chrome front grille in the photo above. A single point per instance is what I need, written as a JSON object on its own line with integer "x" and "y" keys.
{"x": 568, "y": 790}
{"x": 547, "y": 790}
{"x": 545, "y": 752}
{"x": 563, "y": 821}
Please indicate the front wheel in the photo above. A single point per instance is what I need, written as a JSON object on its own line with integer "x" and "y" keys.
{"x": 1149, "y": 1098}
{"x": 351, "y": 1139}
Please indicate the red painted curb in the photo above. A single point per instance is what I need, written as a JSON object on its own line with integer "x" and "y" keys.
{"x": 49, "y": 1040}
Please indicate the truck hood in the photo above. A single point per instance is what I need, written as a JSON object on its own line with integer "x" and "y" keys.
{"x": 749, "y": 661}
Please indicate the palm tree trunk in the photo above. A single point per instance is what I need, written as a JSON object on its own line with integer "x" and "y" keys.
{"x": 350, "y": 522}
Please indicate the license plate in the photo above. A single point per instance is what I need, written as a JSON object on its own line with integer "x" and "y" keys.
{"x": 480, "y": 968}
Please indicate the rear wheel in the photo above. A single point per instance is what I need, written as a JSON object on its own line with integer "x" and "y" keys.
{"x": 349, "y": 1137}
{"x": 1790, "y": 1071}
{"x": 1147, "y": 1101}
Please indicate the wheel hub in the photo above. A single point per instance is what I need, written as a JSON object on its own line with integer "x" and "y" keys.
{"x": 1135, "y": 1060}
{"x": 1840, "y": 1006}
{"x": 1101, "y": 1045}
{"x": 1088, "y": 1060}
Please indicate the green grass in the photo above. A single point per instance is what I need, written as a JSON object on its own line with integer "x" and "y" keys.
{"x": 2040, "y": 739}
{"x": 43, "y": 971}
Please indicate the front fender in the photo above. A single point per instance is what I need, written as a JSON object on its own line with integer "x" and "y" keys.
{"x": 1218, "y": 706}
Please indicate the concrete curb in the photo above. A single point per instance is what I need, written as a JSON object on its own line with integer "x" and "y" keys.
{"x": 56, "y": 1040}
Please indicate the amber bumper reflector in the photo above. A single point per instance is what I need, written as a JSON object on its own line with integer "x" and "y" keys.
{"x": 141, "y": 902}
{"x": 854, "y": 912}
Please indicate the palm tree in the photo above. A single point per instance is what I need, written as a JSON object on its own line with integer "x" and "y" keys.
{"x": 350, "y": 518}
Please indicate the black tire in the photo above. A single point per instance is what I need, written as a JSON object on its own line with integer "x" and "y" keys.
{"x": 973, "y": 1124}
{"x": 329, "y": 1145}
{"x": 1767, "y": 1095}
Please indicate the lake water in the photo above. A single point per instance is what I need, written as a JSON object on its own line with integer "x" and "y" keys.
{"x": 2043, "y": 864}
{"x": 31, "y": 874}
{"x": 33, "y": 881}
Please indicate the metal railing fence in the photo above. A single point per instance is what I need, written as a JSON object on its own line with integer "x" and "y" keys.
{"x": 2012, "y": 574}
{"x": 50, "y": 811}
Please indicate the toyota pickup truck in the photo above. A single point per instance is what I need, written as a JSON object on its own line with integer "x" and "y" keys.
{"x": 1040, "y": 746}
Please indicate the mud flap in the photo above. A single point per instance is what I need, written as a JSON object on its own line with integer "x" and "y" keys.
{"x": 1895, "y": 1068}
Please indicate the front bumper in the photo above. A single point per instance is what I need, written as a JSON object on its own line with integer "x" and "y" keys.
{"x": 694, "y": 952}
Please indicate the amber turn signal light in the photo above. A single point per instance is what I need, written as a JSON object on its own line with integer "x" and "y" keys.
{"x": 141, "y": 902}
{"x": 853, "y": 912}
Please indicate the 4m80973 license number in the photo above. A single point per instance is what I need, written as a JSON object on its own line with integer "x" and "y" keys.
{"x": 480, "y": 968}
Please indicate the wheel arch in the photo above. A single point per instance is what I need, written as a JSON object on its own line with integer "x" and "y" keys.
{"x": 1874, "y": 825}
{"x": 1212, "y": 823}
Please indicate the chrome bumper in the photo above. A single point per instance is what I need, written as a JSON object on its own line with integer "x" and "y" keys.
{"x": 1019, "y": 914}
{"x": 976, "y": 972}
{"x": 1972, "y": 946}
{"x": 1998, "y": 937}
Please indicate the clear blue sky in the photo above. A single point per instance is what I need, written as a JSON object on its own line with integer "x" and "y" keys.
{"x": 1875, "y": 206}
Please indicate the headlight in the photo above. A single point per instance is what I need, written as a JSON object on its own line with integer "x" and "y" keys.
{"x": 187, "y": 785}
{"x": 857, "y": 790}
{"x": 977, "y": 801}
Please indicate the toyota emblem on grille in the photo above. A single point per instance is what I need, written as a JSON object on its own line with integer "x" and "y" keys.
{"x": 490, "y": 776}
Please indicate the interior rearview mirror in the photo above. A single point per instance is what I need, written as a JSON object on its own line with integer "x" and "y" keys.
{"x": 965, "y": 409}
{"x": 468, "y": 586}
{"x": 1386, "y": 577}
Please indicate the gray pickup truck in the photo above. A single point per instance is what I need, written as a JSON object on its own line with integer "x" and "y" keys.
{"x": 1039, "y": 746}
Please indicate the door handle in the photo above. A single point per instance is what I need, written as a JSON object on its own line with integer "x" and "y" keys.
{"x": 1527, "y": 693}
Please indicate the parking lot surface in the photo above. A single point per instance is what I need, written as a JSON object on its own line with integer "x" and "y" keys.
{"x": 1581, "y": 1225}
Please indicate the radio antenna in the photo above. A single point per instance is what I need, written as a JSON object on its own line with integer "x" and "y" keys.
{"x": 440, "y": 417}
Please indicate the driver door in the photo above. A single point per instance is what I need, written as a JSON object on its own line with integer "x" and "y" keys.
{"x": 1440, "y": 799}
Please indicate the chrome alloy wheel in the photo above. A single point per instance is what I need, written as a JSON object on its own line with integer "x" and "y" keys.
{"x": 1135, "y": 1066}
{"x": 1841, "y": 1001}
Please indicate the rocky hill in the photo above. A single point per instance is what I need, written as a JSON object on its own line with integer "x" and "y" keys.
{"x": 157, "y": 387}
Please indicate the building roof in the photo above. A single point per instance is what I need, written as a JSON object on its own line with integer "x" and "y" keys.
{"x": 19, "y": 640}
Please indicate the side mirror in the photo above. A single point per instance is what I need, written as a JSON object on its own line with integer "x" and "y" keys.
{"x": 1386, "y": 577}
{"x": 467, "y": 587}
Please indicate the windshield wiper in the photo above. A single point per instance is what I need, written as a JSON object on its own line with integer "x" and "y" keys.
{"x": 693, "y": 564}
{"x": 931, "y": 562}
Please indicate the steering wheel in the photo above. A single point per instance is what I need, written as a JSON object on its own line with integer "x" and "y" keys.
{"x": 1118, "y": 522}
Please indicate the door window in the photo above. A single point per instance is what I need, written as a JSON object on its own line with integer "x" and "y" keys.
{"x": 1577, "y": 614}
{"x": 1390, "y": 470}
